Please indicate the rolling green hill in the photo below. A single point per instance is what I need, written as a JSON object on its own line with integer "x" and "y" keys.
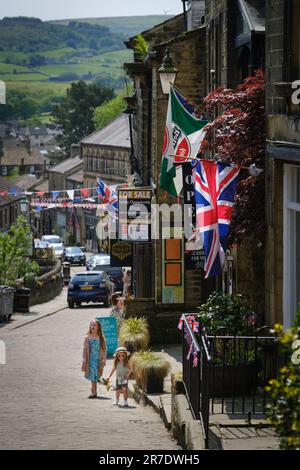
{"x": 40, "y": 59}
{"x": 126, "y": 25}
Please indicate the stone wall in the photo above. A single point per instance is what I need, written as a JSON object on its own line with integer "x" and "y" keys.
{"x": 48, "y": 286}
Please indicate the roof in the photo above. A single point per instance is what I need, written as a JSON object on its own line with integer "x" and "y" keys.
{"x": 67, "y": 165}
{"x": 26, "y": 182}
{"x": 255, "y": 14}
{"x": 6, "y": 185}
{"x": 43, "y": 186}
{"x": 13, "y": 155}
{"x": 37, "y": 130}
{"x": 77, "y": 177}
{"x": 115, "y": 134}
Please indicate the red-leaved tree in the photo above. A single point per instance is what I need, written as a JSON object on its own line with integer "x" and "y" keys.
{"x": 238, "y": 135}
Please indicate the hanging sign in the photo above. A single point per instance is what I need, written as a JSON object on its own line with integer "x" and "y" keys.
{"x": 121, "y": 254}
{"x": 135, "y": 214}
{"x": 194, "y": 258}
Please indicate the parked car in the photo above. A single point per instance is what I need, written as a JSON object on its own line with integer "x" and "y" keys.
{"x": 100, "y": 260}
{"x": 52, "y": 240}
{"x": 90, "y": 287}
{"x": 115, "y": 274}
{"x": 90, "y": 261}
{"x": 58, "y": 251}
{"x": 74, "y": 255}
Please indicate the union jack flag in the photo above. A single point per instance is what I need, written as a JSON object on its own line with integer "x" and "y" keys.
{"x": 107, "y": 193}
{"x": 215, "y": 190}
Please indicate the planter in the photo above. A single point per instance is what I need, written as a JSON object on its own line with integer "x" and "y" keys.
{"x": 134, "y": 334}
{"x": 228, "y": 381}
{"x": 150, "y": 370}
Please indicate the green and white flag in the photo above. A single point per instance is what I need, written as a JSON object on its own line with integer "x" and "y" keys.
{"x": 183, "y": 136}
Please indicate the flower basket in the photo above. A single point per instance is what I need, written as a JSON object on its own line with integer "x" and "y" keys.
{"x": 150, "y": 370}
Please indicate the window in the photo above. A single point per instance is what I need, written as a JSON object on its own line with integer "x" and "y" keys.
{"x": 291, "y": 243}
{"x": 293, "y": 39}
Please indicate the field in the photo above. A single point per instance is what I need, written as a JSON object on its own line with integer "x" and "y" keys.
{"x": 43, "y": 74}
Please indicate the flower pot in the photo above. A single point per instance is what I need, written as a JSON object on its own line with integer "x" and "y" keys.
{"x": 228, "y": 381}
{"x": 155, "y": 384}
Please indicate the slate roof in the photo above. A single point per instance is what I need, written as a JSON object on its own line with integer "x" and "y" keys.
{"x": 6, "y": 185}
{"x": 67, "y": 165}
{"x": 77, "y": 177}
{"x": 115, "y": 134}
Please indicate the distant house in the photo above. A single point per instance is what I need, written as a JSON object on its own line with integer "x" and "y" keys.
{"x": 67, "y": 222}
{"x": 9, "y": 205}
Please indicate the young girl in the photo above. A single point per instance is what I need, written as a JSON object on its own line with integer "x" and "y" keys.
{"x": 94, "y": 355}
{"x": 123, "y": 370}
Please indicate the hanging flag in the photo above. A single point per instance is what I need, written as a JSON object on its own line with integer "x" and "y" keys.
{"x": 84, "y": 192}
{"x": 108, "y": 194}
{"x": 40, "y": 193}
{"x": 71, "y": 193}
{"x": 55, "y": 194}
{"x": 215, "y": 190}
{"x": 183, "y": 136}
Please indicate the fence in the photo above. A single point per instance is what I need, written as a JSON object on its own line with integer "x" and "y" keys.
{"x": 227, "y": 374}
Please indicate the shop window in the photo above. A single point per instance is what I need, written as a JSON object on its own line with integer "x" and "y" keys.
{"x": 291, "y": 244}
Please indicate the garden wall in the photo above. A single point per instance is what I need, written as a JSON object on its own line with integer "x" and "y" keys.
{"x": 47, "y": 286}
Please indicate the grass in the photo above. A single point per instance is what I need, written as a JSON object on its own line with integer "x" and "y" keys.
{"x": 9, "y": 68}
{"x": 23, "y": 77}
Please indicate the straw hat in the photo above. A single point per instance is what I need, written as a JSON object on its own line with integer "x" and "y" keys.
{"x": 121, "y": 350}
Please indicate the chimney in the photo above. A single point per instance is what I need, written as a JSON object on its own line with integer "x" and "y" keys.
{"x": 75, "y": 150}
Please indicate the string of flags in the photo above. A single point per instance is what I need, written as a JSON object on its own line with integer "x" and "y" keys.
{"x": 194, "y": 325}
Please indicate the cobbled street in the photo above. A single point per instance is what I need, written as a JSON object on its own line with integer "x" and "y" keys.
{"x": 43, "y": 394}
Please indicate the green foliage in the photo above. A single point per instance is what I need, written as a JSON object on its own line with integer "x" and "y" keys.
{"x": 226, "y": 311}
{"x": 14, "y": 247}
{"x": 141, "y": 48}
{"x": 32, "y": 35}
{"x": 75, "y": 113}
{"x": 284, "y": 409}
{"x": 109, "y": 111}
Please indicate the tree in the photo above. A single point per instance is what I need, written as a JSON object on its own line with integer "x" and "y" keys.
{"x": 109, "y": 111}
{"x": 14, "y": 247}
{"x": 75, "y": 113}
{"x": 238, "y": 135}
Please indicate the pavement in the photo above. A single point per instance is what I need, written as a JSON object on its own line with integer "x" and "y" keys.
{"x": 43, "y": 400}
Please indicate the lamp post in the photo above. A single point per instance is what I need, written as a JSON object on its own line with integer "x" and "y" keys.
{"x": 167, "y": 73}
{"x": 25, "y": 210}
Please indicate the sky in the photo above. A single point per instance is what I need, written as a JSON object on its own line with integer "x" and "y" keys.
{"x": 65, "y": 9}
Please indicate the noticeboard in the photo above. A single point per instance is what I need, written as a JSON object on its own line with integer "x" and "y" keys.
{"x": 109, "y": 328}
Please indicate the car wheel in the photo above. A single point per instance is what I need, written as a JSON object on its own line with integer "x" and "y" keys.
{"x": 78, "y": 304}
{"x": 70, "y": 304}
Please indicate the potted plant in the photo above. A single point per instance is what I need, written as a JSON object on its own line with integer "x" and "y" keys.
{"x": 234, "y": 361}
{"x": 134, "y": 334}
{"x": 150, "y": 370}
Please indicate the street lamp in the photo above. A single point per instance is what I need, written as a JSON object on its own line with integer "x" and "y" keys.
{"x": 167, "y": 73}
{"x": 24, "y": 206}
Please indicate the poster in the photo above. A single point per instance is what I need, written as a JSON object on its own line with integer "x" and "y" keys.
{"x": 135, "y": 214}
{"x": 109, "y": 328}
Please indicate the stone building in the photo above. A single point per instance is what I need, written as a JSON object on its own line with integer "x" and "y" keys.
{"x": 154, "y": 295}
{"x": 283, "y": 161}
{"x": 106, "y": 153}
{"x": 67, "y": 222}
{"x": 9, "y": 205}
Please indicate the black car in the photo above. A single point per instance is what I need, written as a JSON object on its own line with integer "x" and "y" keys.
{"x": 74, "y": 255}
{"x": 90, "y": 287}
{"x": 115, "y": 274}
